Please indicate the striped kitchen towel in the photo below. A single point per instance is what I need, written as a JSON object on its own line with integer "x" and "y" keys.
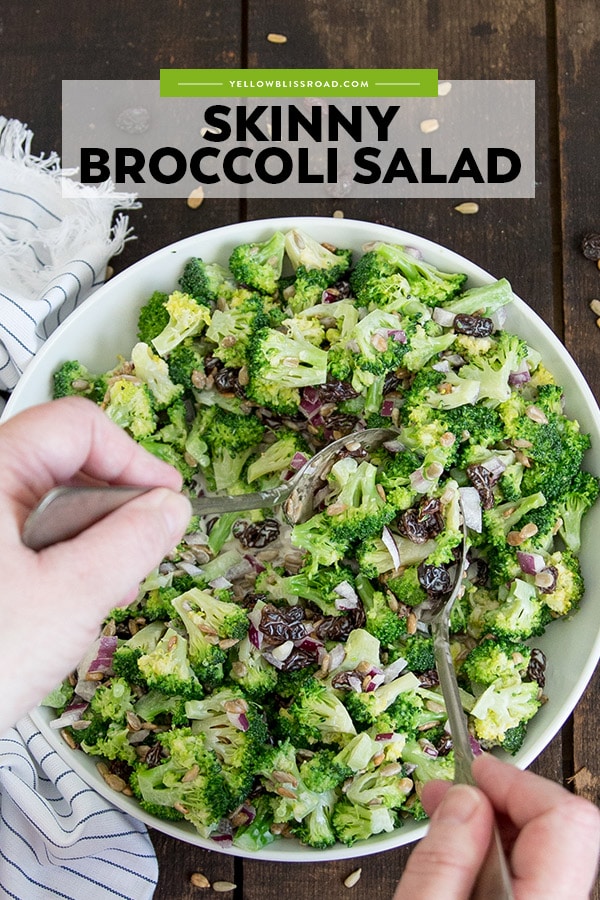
{"x": 56, "y": 237}
{"x": 58, "y": 837}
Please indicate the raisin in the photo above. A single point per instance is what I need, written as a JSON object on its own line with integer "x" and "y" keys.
{"x": 482, "y": 480}
{"x": 590, "y": 245}
{"x": 280, "y": 625}
{"x": 473, "y": 326}
{"x": 434, "y": 579}
{"x": 256, "y": 534}
{"x": 226, "y": 381}
{"x": 341, "y": 424}
{"x": 429, "y": 514}
{"x": 299, "y": 658}
{"x": 334, "y": 392}
{"x": 536, "y": 670}
{"x": 409, "y": 526}
{"x": 154, "y": 756}
{"x": 430, "y": 678}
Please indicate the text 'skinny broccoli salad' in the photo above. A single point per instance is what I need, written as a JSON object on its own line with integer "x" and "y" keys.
{"x": 273, "y": 680}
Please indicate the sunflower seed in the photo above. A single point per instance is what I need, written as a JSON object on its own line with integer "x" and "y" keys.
{"x": 468, "y": 208}
{"x": 352, "y": 878}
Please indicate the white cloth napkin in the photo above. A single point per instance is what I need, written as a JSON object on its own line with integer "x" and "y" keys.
{"x": 58, "y": 837}
{"x": 56, "y": 237}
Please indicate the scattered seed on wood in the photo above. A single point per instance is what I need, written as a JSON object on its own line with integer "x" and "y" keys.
{"x": 196, "y": 198}
{"x": 595, "y": 307}
{"x": 598, "y": 322}
{"x": 428, "y": 126}
{"x": 197, "y": 879}
{"x": 274, "y": 38}
{"x": 468, "y": 208}
{"x": 221, "y": 887}
{"x": 352, "y": 878}
{"x": 338, "y": 214}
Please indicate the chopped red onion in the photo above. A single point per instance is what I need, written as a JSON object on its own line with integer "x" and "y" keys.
{"x": 239, "y": 720}
{"x": 72, "y": 714}
{"x": 255, "y": 636}
{"x": 517, "y": 378}
{"x": 312, "y": 646}
{"x": 471, "y": 507}
{"x": 398, "y": 335}
{"x": 475, "y": 746}
{"x": 374, "y": 682}
{"x": 428, "y": 748}
{"x": 387, "y": 408}
{"x": 298, "y": 460}
{"x": 390, "y": 544}
{"x": 311, "y": 402}
{"x": 384, "y": 736}
{"x": 337, "y": 655}
{"x": 189, "y": 568}
{"x": 244, "y": 814}
{"x": 103, "y": 657}
{"x": 530, "y": 563}
{"x": 221, "y": 838}
{"x": 443, "y": 317}
{"x": 255, "y": 563}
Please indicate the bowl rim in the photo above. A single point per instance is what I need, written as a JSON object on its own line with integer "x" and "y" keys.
{"x": 251, "y": 230}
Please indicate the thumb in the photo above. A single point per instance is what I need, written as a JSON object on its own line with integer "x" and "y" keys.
{"x": 446, "y": 862}
{"x": 107, "y": 561}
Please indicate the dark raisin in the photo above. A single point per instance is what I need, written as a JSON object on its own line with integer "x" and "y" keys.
{"x": 333, "y": 391}
{"x": 536, "y": 670}
{"x": 340, "y": 424}
{"x": 474, "y": 326}
{"x": 256, "y": 534}
{"x": 346, "y": 681}
{"x": 299, "y": 658}
{"x": 434, "y": 579}
{"x": 154, "y": 756}
{"x": 430, "y": 678}
{"x": 409, "y": 526}
{"x": 391, "y": 383}
{"x": 282, "y": 624}
{"x": 444, "y": 745}
{"x": 226, "y": 381}
{"x": 590, "y": 245}
{"x": 478, "y": 572}
{"x": 483, "y": 481}
{"x": 429, "y": 515}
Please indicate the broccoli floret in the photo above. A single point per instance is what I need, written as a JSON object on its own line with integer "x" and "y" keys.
{"x": 202, "y": 799}
{"x": 112, "y": 701}
{"x": 112, "y": 744}
{"x": 316, "y": 828}
{"x": 169, "y": 454}
{"x": 428, "y": 768}
{"x": 407, "y": 587}
{"x": 413, "y": 711}
{"x": 73, "y": 379}
{"x": 375, "y": 789}
{"x": 373, "y": 346}
{"x": 154, "y": 372}
{"x": 316, "y": 715}
{"x": 417, "y": 650}
{"x": 152, "y": 317}
{"x": 231, "y": 330}
{"x": 572, "y": 507}
{"x": 205, "y": 282}
{"x": 281, "y": 758}
{"x": 254, "y": 674}
{"x": 324, "y": 772}
{"x": 155, "y": 704}
{"x": 129, "y": 404}
{"x": 234, "y": 728}
{"x": 175, "y": 429}
{"x": 366, "y": 707}
{"x": 167, "y": 669}
{"x": 362, "y": 510}
{"x": 494, "y": 659}
{"x": 425, "y": 281}
{"x": 209, "y": 620}
{"x": 186, "y": 363}
{"x": 484, "y": 300}
{"x": 519, "y": 615}
{"x": 498, "y": 522}
{"x": 505, "y": 704}
{"x": 514, "y": 738}
{"x": 353, "y": 822}
{"x": 125, "y": 664}
{"x": 492, "y": 369}
{"x": 285, "y": 361}
{"x": 321, "y": 587}
{"x": 186, "y": 317}
{"x": 568, "y": 589}
{"x": 315, "y": 266}
{"x": 316, "y": 537}
{"x": 276, "y": 458}
{"x": 387, "y": 626}
{"x": 230, "y": 439}
{"x": 259, "y": 264}
{"x": 423, "y": 347}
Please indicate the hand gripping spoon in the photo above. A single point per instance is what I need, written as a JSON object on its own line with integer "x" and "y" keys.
{"x": 66, "y": 511}
{"x": 494, "y": 881}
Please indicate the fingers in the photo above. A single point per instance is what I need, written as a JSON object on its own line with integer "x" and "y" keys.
{"x": 556, "y": 853}
{"x": 48, "y": 444}
{"x": 446, "y": 862}
{"x": 106, "y": 562}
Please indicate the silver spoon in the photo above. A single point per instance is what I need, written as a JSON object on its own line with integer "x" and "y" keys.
{"x": 493, "y": 881}
{"x": 66, "y": 511}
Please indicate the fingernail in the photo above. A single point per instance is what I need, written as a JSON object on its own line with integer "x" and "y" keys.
{"x": 176, "y": 512}
{"x": 459, "y": 804}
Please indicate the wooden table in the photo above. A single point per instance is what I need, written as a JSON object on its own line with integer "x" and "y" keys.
{"x": 535, "y": 243}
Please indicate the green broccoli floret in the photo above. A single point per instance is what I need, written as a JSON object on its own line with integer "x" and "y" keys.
{"x": 254, "y": 674}
{"x": 129, "y": 404}
{"x": 407, "y": 587}
{"x": 498, "y": 522}
{"x": 281, "y": 758}
{"x": 362, "y": 510}
{"x": 425, "y": 281}
{"x": 202, "y": 799}
{"x": 514, "y": 738}
{"x": 568, "y": 589}
{"x": 428, "y": 768}
{"x": 231, "y": 329}
{"x": 484, "y": 300}
{"x": 354, "y": 822}
{"x": 316, "y": 268}
{"x": 112, "y": 744}
{"x": 376, "y": 345}
{"x": 494, "y": 659}
{"x": 417, "y": 650}
{"x": 366, "y": 707}
{"x": 316, "y": 716}
{"x": 234, "y": 728}
{"x": 505, "y": 704}
{"x": 167, "y": 669}
{"x": 187, "y": 317}
{"x": 230, "y": 439}
{"x": 285, "y": 361}
{"x": 276, "y": 458}
{"x": 154, "y": 372}
{"x": 572, "y": 507}
{"x": 205, "y": 282}
{"x": 412, "y": 711}
{"x": 175, "y": 429}
{"x": 320, "y": 587}
{"x": 73, "y": 379}
{"x": 316, "y": 537}
{"x": 387, "y": 626}
{"x": 316, "y": 828}
{"x": 112, "y": 701}
{"x": 493, "y": 369}
{"x": 323, "y": 771}
{"x": 169, "y": 454}
{"x": 423, "y": 347}
{"x": 155, "y": 704}
{"x": 125, "y": 664}
{"x": 209, "y": 620}
{"x": 259, "y": 264}
{"x": 520, "y": 613}
{"x": 375, "y": 789}
{"x": 394, "y": 476}
{"x": 186, "y": 363}
{"x": 152, "y": 317}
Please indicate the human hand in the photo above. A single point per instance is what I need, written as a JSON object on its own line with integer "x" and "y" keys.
{"x": 552, "y": 837}
{"x": 53, "y": 601}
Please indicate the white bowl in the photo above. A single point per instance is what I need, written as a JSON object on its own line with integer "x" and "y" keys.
{"x": 105, "y": 326}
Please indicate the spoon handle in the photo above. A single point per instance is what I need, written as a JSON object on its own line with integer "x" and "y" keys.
{"x": 66, "y": 511}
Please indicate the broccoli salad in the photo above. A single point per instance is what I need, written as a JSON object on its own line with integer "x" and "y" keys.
{"x": 273, "y": 680}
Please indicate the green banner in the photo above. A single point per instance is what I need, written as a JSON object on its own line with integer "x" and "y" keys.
{"x": 298, "y": 82}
